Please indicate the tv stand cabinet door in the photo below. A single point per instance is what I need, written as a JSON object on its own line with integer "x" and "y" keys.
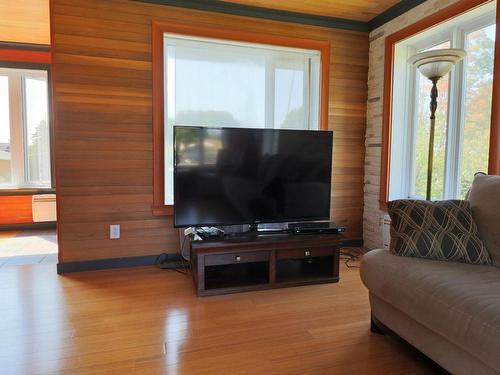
{"x": 332, "y": 253}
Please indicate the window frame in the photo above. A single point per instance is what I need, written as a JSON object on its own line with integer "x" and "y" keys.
{"x": 7, "y": 58}
{"x": 443, "y": 15}
{"x": 159, "y": 29}
{"x": 275, "y": 59}
{"x": 456, "y": 36}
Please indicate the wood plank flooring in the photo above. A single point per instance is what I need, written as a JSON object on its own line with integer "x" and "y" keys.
{"x": 149, "y": 321}
{"x": 28, "y": 246}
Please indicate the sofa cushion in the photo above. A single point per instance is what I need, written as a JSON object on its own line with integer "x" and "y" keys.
{"x": 443, "y": 230}
{"x": 460, "y": 302}
{"x": 484, "y": 198}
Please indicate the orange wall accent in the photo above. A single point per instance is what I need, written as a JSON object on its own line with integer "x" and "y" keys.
{"x": 15, "y": 209}
{"x": 29, "y": 56}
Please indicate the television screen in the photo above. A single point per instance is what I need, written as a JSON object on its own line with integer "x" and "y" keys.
{"x": 227, "y": 176}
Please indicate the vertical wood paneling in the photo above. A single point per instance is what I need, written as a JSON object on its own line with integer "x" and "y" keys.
{"x": 103, "y": 99}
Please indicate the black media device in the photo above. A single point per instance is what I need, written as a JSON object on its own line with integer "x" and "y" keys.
{"x": 235, "y": 176}
{"x": 316, "y": 227}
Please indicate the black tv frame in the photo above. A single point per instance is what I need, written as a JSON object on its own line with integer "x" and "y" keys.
{"x": 254, "y": 225}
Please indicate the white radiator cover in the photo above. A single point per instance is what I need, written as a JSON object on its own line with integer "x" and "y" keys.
{"x": 386, "y": 231}
{"x": 43, "y": 207}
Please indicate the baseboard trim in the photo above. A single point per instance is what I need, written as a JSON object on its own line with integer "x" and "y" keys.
{"x": 110, "y": 263}
{"x": 28, "y": 226}
{"x": 141, "y": 261}
{"x": 352, "y": 243}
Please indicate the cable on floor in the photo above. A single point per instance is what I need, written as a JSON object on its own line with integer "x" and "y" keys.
{"x": 351, "y": 254}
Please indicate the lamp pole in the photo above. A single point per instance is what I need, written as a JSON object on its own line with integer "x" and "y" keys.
{"x": 430, "y": 159}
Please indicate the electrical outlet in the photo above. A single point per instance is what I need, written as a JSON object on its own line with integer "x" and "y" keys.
{"x": 114, "y": 231}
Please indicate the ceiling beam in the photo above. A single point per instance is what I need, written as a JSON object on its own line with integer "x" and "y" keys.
{"x": 292, "y": 17}
{"x": 266, "y": 13}
{"x": 393, "y": 12}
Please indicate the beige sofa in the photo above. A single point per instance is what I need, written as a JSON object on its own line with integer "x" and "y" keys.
{"x": 449, "y": 311}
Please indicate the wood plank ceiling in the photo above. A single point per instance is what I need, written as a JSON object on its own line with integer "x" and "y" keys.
{"x": 359, "y": 10}
{"x": 24, "y": 21}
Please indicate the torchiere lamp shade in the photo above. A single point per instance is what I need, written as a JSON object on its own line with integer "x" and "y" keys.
{"x": 437, "y": 63}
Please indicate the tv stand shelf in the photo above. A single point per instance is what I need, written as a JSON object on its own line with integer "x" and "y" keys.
{"x": 263, "y": 261}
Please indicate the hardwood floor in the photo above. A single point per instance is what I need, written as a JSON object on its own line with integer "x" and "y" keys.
{"x": 149, "y": 321}
{"x": 28, "y": 246}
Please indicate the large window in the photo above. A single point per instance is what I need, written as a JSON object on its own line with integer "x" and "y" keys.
{"x": 213, "y": 82}
{"x": 24, "y": 129}
{"x": 463, "y": 117}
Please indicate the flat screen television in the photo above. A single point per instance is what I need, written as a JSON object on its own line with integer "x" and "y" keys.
{"x": 232, "y": 176}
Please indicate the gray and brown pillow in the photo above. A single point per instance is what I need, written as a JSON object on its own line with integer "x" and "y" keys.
{"x": 443, "y": 230}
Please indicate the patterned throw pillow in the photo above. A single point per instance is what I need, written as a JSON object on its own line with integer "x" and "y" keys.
{"x": 442, "y": 230}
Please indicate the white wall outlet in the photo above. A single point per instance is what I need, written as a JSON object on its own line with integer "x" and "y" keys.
{"x": 114, "y": 231}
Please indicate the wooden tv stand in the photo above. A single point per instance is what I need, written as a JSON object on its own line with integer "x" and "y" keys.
{"x": 263, "y": 261}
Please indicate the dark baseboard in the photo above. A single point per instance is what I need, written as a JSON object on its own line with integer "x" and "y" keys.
{"x": 173, "y": 261}
{"x": 28, "y": 226}
{"x": 102, "y": 264}
{"x": 352, "y": 243}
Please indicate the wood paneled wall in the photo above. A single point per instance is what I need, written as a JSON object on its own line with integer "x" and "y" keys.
{"x": 24, "y": 21}
{"x": 15, "y": 209}
{"x": 103, "y": 104}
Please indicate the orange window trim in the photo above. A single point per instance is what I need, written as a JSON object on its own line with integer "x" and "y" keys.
{"x": 390, "y": 42}
{"x": 158, "y": 30}
{"x": 17, "y": 209}
{"x": 494, "y": 156}
{"x": 24, "y": 56}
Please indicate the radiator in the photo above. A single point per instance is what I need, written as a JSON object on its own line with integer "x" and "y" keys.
{"x": 43, "y": 208}
{"x": 386, "y": 231}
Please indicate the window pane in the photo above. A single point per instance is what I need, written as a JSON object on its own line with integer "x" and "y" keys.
{"x": 289, "y": 99}
{"x": 37, "y": 133}
{"x": 5, "y": 154}
{"x": 479, "y": 79}
{"x": 224, "y": 84}
{"x": 422, "y": 132}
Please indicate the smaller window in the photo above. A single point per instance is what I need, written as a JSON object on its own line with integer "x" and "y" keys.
{"x": 463, "y": 117}
{"x": 25, "y": 160}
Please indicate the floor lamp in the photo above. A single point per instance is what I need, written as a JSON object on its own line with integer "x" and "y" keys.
{"x": 434, "y": 65}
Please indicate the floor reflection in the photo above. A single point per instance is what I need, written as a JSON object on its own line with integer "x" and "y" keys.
{"x": 176, "y": 334}
{"x": 34, "y": 246}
